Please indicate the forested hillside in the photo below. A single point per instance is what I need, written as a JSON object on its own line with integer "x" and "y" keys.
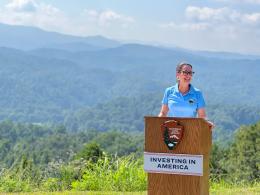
{"x": 114, "y": 88}
{"x": 97, "y": 83}
{"x": 127, "y": 114}
{"x": 49, "y": 158}
{"x": 44, "y": 143}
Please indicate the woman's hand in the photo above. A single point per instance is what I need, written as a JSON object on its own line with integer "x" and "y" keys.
{"x": 164, "y": 111}
{"x": 211, "y": 124}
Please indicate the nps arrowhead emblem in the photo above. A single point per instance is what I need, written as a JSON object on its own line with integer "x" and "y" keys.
{"x": 172, "y": 133}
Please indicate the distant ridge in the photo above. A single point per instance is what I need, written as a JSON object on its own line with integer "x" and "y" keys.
{"x": 31, "y": 38}
{"x": 28, "y": 38}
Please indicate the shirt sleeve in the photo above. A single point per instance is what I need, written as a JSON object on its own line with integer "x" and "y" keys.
{"x": 165, "y": 97}
{"x": 201, "y": 101}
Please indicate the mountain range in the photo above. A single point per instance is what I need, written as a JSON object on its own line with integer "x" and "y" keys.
{"x": 27, "y": 38}
{"x": 48, "y": 77}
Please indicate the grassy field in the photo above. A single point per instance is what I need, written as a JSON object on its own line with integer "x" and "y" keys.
{"x": 220, "y": 191}
{"x": 77, "y": 193}
{"x": 221, "y": 188}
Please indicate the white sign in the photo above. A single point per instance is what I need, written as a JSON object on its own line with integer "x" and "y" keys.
{"x": 181, "y": 164}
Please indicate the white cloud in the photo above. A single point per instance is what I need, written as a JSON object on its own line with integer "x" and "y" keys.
{"x": 252, "y": 19}
{"x": 222, "y": 28}
{"x": 30, "y": 12}
{"x": 48, "y": 17}
{"x": 108, "y": 17}
{"x": 242, "y": 1}
{"x": 186, "y": 26}
{"x": 222, "y": 15}
{"x": 251, "y": 1}
{"x": 22, "y": 6}
{"x": 205, "y": 17}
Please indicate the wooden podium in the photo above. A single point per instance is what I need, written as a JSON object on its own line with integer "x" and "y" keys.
{"x": 196, "y": 140}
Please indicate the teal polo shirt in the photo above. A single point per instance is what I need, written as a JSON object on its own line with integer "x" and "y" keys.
{"x": 183, "y": 105}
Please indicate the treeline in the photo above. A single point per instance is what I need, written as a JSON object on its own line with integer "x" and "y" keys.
{"x": 50, "y": 158}
{"x": 240, "y": 162}
{"x": 46, "y": 143}
{"x": 127, "y": 114}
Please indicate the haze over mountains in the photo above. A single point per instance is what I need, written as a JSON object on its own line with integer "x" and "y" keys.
{"x": 95, "y": 82}
{"x": 26, "y": 38}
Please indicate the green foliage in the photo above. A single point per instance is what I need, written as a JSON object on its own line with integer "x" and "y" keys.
{"x": 240, "y": 162}
{"x": 227, "y": 118}
{"x": 22, "y": 176}
{"x": 121, "y": 143}
{"x": 49, "y": 158}
{"x": 126, "y": 114}
{"x": 51, "y": 185}
{"x": 224, "y": 187}
{"x": 58, "y": 176}
{"x": 115, "y": 88}
{"x": 14, "y": 185}
{"x": 218, "y": 157}
{"x": 91, "y": 152}
{"x": 121, "y": 113}
{"x": 79, "y": 193}
{"x": 43, "y": 144}
{"x": 244, "y": 155}
{"x": 35, "y": 142}
{"x": 113, "y": 174}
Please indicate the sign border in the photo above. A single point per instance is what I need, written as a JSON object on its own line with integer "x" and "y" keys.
{"x": 175, "y": 173}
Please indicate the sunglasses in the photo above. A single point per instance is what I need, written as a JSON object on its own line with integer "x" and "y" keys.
{"x": 187, "y": 73}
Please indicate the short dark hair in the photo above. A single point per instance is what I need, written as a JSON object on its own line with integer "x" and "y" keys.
{"x": 180, "y": 65}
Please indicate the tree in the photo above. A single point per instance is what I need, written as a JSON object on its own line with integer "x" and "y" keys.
{"x": 217, "y": 158}
{"x": 244, "y": 157}
{"x": 91, "y": 151}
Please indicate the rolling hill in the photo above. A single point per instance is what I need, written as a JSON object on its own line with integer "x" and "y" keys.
{"x": 84, "y": 82}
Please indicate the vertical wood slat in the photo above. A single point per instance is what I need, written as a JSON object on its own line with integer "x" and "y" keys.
{"x": 196, "y": 140}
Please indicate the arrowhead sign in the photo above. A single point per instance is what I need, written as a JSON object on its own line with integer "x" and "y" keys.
{"x": 172, "y": 133}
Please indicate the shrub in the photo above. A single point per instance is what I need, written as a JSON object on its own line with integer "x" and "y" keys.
{"x": 113, "y": 174}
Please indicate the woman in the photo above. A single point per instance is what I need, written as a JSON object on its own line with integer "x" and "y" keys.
{"x": 182, "y": 99}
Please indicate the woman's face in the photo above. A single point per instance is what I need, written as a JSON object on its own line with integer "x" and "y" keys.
{"x": 185, "y": 76}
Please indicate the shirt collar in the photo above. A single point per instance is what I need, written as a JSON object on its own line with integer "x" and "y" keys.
{"x": 191, "y": 91}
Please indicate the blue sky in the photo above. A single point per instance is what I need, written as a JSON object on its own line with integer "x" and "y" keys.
{"x": 215, "y": 25}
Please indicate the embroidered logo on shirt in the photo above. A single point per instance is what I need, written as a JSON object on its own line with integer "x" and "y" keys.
{"x": 191, "y": 101}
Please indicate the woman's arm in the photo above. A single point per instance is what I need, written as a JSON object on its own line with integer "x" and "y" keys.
{"x": 202, "y": 113}
{"x": 164, "y": 111}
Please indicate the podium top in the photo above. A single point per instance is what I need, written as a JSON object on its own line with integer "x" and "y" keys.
{"x": 196, "y": 135}
{"x": 176, "y": 118}
{"x": 180, "y": 119}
